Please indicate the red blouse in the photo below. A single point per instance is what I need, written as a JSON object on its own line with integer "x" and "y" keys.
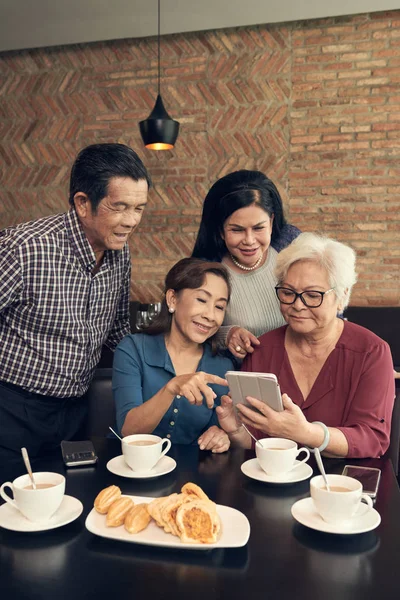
{"x": 353, "y": 392}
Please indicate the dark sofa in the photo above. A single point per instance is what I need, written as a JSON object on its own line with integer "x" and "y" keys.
{"x": 382, "y": 320}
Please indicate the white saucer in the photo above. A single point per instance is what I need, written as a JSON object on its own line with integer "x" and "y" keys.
{"x": 252, "y": 469}
{"x": 11, "y": 518}
{"x": 119, "y": 467}
{"x": 304, "y": 512}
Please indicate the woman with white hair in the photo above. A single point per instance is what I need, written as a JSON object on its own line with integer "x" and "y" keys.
{"x": 336, "y": 377}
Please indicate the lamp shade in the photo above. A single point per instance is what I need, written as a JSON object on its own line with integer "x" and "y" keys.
{"x": 159, "y": 131}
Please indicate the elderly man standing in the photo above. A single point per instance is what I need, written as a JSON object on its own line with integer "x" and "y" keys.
{"x": 64, "y": 292}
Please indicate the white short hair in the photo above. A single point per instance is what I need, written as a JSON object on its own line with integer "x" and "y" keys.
{"x": 339, "y": 261}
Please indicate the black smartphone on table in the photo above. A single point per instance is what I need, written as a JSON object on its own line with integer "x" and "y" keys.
{"x": 77, "y": 454}
{"x": 369, "y": 478}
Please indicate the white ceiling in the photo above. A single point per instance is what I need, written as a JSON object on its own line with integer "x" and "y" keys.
{"x": 39, "y": 23}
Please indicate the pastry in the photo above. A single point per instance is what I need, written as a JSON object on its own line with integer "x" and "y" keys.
{"x": 198, "y": 522}
{"x": 194, "y": 490}
{"x": 169, "y": 512}
{"x": 118, "y": 510}
{"x": 163, "y": 506}
{"x": 137, "y": 518}
{"x": 156, "y": 509}
{"x": 105, "y": 498}
{"x": 190, "y": 515}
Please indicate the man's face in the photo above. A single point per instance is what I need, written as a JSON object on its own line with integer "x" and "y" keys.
{"x": 117, "y": 215}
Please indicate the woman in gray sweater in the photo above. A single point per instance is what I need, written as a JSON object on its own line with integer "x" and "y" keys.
{"x": 243, "y": 226}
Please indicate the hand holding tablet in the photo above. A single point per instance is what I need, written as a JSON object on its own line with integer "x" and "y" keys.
{"x": 262, "y": 386}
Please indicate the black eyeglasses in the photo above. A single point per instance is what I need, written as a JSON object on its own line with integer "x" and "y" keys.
{"x": 310, "y": 298}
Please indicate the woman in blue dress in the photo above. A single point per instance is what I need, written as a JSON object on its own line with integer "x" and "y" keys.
{"x": 169, "y": 380}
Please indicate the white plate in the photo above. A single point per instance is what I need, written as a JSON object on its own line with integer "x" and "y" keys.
{"x": 252, "y": 469}
{"x": 235, "y": 530}
{"x": 119, "y": 467}
{"x": 305, "y": 513}
{"x": 11, "y": 518}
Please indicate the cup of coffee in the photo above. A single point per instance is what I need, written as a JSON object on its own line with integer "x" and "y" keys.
{"x": 142, "y": 451}
{"x": 36, "y": 504}
{"x": 278, "y": 455}
{"x": 342, "y": 501}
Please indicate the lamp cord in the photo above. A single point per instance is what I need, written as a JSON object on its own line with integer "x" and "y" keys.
{"x": 159, "y": 67}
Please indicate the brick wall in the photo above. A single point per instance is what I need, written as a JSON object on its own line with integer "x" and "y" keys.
{"x": 314, "y": 104}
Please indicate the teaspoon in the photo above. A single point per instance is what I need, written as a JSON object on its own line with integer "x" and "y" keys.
{"x": 28, "y": 466}
{"x": 252, "y": 436}
{"x": 320, "y": 464}
{"x": 116, "y": 434}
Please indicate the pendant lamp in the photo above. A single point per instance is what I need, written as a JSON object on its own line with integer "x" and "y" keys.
{"x": 159, "y": 131}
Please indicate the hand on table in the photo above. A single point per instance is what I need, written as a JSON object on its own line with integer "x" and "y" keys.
{"x": 240, "y": 341}
{"x": 214, "y": 439}
{"x": 195, "y": 388}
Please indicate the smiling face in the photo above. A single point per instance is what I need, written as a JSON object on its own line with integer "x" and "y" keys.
{"x": 247, "y": 234}
{"x": 198, "y": 313}
{"x": 117, "y": 215}
{"x": 302, "y": 276}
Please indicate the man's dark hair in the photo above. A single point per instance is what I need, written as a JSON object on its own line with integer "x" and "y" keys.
{"x": 95, "y": 165}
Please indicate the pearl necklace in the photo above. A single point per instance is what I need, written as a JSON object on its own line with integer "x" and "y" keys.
{"x": 237, "y": 263}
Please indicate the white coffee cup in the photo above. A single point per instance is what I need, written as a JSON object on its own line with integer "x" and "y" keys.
{"x": 142, "y": 451}
{"x": 40, "y": 504}
{"x": 338, "y": 506}
{"x": 278, "y": 455}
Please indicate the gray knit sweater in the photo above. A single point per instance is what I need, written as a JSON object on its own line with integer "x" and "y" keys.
{"x": 253, "y": 304}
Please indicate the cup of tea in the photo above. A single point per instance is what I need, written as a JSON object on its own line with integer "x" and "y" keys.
{"x": 142, "y": 451}
{"x": 36, "y": 504}
{"x": 277, "y": 456}
{"x": 342, "y": 501}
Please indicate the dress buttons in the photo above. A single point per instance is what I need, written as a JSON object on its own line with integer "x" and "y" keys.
{"x": 168, "y": 435}
{"x": 175, "y": 410}
{"x": 172, "y": 423}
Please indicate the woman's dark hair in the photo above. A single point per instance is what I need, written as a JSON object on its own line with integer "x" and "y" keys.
{"x": 95, "y": 165}
{"x": 230, "y": 193}
{"x": 188, "y": 273}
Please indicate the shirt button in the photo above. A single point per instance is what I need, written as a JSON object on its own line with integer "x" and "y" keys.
{"x": 175, "y": 410}
{"x": 178, "y": 397}
{"x": 172, "y": 423}
{"x": 168, "y": 435}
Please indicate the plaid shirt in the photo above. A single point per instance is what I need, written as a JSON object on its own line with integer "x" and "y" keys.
{"x": 54, "y": 314}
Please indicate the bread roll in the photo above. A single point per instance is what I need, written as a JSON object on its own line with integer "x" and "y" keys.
{"x": 118, "y": 510}
{"x": 105, "y": 498}
{"x": 137, "y": 518}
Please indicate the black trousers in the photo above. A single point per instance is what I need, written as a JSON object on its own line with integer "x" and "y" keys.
{"x": 38, "y": 423}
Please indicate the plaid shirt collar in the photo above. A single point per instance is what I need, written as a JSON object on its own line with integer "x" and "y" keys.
{"x": 81, "y": 246}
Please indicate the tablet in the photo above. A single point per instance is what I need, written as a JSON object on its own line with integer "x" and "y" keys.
{"x": 262, "y": 386}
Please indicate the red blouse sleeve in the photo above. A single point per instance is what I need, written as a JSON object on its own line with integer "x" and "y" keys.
{"x": 367, "y": 424}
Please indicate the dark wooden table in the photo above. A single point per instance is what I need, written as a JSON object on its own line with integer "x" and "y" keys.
{"x": 282, "y": 559}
